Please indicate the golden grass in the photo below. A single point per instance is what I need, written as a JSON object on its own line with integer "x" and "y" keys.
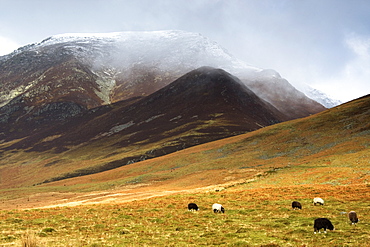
{"x": 254, "y": 217}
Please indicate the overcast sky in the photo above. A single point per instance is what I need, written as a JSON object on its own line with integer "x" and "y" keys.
{"x": 322, "y": 43}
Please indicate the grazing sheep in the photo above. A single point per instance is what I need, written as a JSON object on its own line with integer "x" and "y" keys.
{"x": 218, "y": 208}
{"x": 296, "y": 205}
{"x": 318, "y": 200}
{"x": 353, "y": 217}
{"x": 322, "y": 223}
{"x": 193, "y": 207}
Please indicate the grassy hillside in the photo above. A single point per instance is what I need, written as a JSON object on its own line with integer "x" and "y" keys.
{"x": 331, "y": 147}
{"x": 255, "y": 176}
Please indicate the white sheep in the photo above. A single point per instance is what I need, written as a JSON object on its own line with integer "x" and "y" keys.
{"x": 318, "y": 200}
{"x": 218, "y": 208}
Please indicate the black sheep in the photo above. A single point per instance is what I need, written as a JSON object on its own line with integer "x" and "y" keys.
{"x": 322, "y": 223}
{"x": 353, "y": 217}
{"x": 296, "y": 205}
{"x": 193, "y": 207}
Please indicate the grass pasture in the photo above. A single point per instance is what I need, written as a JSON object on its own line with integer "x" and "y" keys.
{"x": 254, "y": 217}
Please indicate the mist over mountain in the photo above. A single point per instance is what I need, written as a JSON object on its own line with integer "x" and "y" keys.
{"x": 77, "y": 92}
{"x": 270, "y": 86}
{"x": 64, "y": 75}
{"x": 119, "y": 62}
{"x": 88, "y": 103}
{"x": 118, "y": 65}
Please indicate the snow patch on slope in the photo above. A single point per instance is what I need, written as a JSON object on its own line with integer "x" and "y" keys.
{"x": 319, "y": 96}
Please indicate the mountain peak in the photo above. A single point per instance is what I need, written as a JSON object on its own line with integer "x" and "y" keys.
{"x": 209, "y": 89}
{"x": 163, "y": 48}
{"x": 87, "y": 70}
{"x": 113, "y": 36}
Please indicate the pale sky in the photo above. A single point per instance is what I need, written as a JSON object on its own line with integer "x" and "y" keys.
{"x": 322, "y": 43}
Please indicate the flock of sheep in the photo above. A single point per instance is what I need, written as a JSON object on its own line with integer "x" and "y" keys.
{"x": 324, "y": 223}
{"x": 319, "y": 223}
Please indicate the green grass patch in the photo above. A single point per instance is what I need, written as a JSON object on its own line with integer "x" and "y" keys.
{"x": 165, "y": 221}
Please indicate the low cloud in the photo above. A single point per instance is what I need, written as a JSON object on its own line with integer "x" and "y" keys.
{"x": 7, "y": 46}
{"x": 359, "y": 66}
{"x": 353, "y": 80}
{"x": 302, "y": 40}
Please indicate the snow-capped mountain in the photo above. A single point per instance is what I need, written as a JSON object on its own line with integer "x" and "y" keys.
{"x": 124, "y": 62}
{"x": 65, "y": 75}
{"x": 165, "y": 49}
{"x": 320, "y": 96}
{"x": 121, "y": 60}
{"x": 125, "y": 97}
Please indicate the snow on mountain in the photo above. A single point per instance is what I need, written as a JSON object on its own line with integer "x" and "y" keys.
{"x": 126, "y": 61}
{"x": 165, "y": 49}
{"x": 119, "y": 58}
{"x": 319, "y": 96}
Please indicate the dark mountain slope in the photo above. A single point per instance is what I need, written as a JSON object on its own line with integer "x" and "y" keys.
{"x": 209, "y": 101}
{"x": 204, "y": 105}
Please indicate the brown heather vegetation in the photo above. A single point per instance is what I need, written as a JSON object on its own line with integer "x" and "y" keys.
{"x": 255, "y": 176}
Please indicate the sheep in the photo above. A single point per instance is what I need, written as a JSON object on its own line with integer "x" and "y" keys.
{"x": 322, "y": 223}
{"x": 318, "y": 200}
{"x": 353, "y": 217}
{"x": 296, "y": 205}
{"x": 193, "y": 207}
{"x": 218, "y": 208}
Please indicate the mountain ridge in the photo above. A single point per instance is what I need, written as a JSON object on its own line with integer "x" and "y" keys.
{"x": 73, "y": 74}
{"x": 78, "y": 43}
{"x": 112, "y": 57}
{"x": 217, "y": 105}
{"x": 69, "y": 103}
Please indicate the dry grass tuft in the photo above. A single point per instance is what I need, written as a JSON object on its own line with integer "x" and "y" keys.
{"x": 29, "y": 239}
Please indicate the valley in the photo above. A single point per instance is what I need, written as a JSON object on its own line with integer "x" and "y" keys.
{"x": 104, "y": 142}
